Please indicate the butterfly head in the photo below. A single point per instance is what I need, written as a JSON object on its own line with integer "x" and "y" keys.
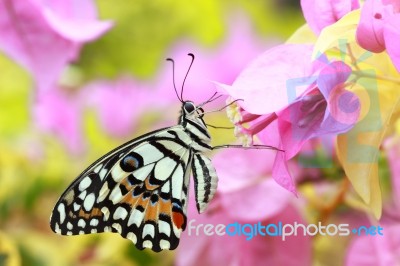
{"x": 192, "y": 118}
{"x": 188, "y": 107}
{"x": 190, "y": 111}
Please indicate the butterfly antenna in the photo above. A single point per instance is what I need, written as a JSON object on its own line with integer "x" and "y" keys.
{"x": 211, "y": 99}
{"x": 173, "y": 78}
{"x": 190, "y": 66}
{"x": 222, "y": 108}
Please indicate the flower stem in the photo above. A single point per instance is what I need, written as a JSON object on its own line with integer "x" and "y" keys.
{"x": 361, "y": 74}
{"x": 352, "y": 58}
{"x": 327, "y": 210}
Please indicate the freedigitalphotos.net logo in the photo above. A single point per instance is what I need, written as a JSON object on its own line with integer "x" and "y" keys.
{"x": 280, "y": 230}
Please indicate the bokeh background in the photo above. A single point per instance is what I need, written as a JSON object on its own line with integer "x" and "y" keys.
{"x": 56, "y": 117}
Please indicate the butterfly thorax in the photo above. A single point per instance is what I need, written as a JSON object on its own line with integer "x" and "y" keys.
{"x": 191, "y": 119}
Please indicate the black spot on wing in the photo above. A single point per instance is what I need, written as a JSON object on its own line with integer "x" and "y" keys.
{"x": 131, "y": 162}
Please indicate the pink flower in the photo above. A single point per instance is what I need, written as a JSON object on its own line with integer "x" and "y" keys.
{"x": 262, "y": 85}
{"x": 245, "y": 179}
{"x": 43, "y": 36}
{"x": 376, "y": 250}
{"x": 379, "y": 28}
{"x": 60, "y": 114}
{"x": 281, "y": 119}
{"x": 326, "y": 107}
{"x": 120, "y": 103}
{"x": 320, "y": 14}
{"x": 246, "y": 195}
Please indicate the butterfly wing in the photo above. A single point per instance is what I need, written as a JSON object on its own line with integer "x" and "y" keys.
{"x": 205, "y": 181}
{"x": 138, "y": 190}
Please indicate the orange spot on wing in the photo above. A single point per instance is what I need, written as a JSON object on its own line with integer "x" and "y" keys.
{"x": 150, "y": 186}
{"x": 151, "y": 213}
{"x": 165, "y": 207}
{"x": 178, "y": 219}
{"x": 129, "y": 199}
{"x": 94, "y": 212}
{"x": 142, "y": 202}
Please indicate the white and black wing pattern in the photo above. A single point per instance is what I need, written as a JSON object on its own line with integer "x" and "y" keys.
{"x": 205, "y": 180}
{"x": 138, "y": 190}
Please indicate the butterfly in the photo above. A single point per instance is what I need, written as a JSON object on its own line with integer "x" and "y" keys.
{"x": 140, "y": 189}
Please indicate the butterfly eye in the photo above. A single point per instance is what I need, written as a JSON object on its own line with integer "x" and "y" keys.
{"x": 189, "y": 107}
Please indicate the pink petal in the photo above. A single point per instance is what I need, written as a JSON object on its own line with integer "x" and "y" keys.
{"x": 343, "y": 107}
{"x": 261, "y": 201}
{"x": 239, "y": 168}
{"x": 70, "y": 8}
{"x": 260, "y": 250}
{"x": 120, "y": 103}
{"x": 320, "y": 14}
{"x": 245, "y": 180}
{"x": 336, "y": 111}
{"x": 75, "y": 20}
{"x": 263, "y": 85}
{"x": 331, "y": 75}
{"x": 343, "y": 111}
{"x": 280, "y": 171}
{"x": 78, "y": 30}
{"x": 376, "y": 250}
{"x": 28, "y": 38}
{"x": 297, "y": 125}
{"x": 56, "y": 113}
{"x": 281, "y": 174}
{"x": 392, "y": 39}
{"x": 369, "y": 32}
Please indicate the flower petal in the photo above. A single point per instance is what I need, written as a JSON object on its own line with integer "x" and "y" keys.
{"x": 261, "y": 201}
{"x": 343, "y": 111}
{"x": 119, "y": 119}
{"x": 29, "y": 38}
{"x": 263, "y": 85}
{"x": 245, "y": 182}
{"x": 358, "y": 149}
{"x": 56, "y": 113}
{"x": 78, "y": 30}
{"x": 343, "y": 106}
{"x": 296, "y": 127}
{"x": 199, "y": 248}
{"x": 243, "y": 168}
{"x": 333, "y": 74}
{"x": 392, "y": 39}
{"x": 333, "y": 35}
{"x": 320, "y": 14}
{"x": 280, "y": 172}
{"x": 369, "y": 32}
{"x": 376, "y": 250}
